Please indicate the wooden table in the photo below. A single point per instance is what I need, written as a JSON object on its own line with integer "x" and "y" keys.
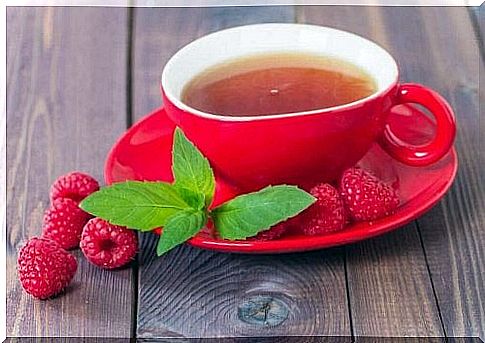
{"x": 78, "y": 77}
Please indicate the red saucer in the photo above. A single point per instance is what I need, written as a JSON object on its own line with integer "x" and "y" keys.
{"x": 144, "y": 153}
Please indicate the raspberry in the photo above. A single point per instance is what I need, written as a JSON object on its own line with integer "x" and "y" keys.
{"x": 326, "y": 215}
{"x": 74, "y": 185}
{"x": 365, "y": 196}
{"x": 274, "y": 232}
{"x": 44, "y": 268}
{"x": 106, "y": 245}
{"x": 64, "y": 222}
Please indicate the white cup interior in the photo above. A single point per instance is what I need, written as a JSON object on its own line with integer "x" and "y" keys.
{"x": 241, "y": 41}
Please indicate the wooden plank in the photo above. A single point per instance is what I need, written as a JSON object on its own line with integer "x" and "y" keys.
{"x": 477, "y": 14}
{"x": 481, "y": 20}
{"x": 272, "y": 339}
{"x": 197, "y": 293}
{"x": 453, "y": 232}
{"x": 390, "y": 289}
{"x": 71, "y": 340}
{"x": 66, "y": 104}
{"x": 285, "y": 339}
{"x": 159, "y": 33}
{"x": 446, "y": 59}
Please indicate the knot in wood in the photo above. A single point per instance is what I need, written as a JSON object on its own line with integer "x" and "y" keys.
{"x": 263, "y": 310}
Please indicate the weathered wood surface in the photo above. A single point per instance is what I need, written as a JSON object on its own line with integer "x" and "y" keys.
{"x": 453, "y": 233}
{"x": 389, "y": 286}
{"x": 68, "y": 80}
{"x": 66, "y": 104}
{"x": 478, "y": 19}
{"x": 160, "y": 32}
{"x": 196, "y": 293}
{"x": 436, "y": 47}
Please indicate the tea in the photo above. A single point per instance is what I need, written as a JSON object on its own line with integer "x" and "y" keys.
{"x": 277, "y": 83}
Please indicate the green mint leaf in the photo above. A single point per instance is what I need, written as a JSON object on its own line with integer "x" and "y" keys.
{"x": 193, "y": 199}
{"x": 179, "y": 228}
{"x": 248, "y": 214}
{"x": 135, "y": 204}
{"x": 191, "y": 169}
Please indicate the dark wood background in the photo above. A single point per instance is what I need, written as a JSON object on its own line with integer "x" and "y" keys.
{"x": 78, "y": 77}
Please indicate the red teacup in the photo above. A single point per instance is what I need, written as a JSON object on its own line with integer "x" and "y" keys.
{"x": 306, "y": 147}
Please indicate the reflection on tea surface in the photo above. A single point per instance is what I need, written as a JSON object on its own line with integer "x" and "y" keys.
{"x": 276, "y": 83}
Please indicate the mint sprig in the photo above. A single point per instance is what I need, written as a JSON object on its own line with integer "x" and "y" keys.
{"x": 182, "y": 208}
{"x": 135, "y": 204}
{"x": 191, "y": 169}
{"x": 246, "y": 215}
{"x": 179, "y": 228}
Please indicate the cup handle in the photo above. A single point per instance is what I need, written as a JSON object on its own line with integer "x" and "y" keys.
{"x": 422, "y": 155}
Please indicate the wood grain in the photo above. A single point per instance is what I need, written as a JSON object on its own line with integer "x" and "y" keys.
{"x": 390, "y": 289}
{"x": 197, "y": 293}
{"x": 481, "y": 21}
{"x": 66, "y": 104}
{"x": 273, "y": 339}
{"x": 67, "y": 340}
{"x": 478, "y": 19}
{"x": 159, "y": 33}
{"x": 453, "y": 233}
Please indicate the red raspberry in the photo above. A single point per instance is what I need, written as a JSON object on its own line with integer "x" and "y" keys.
{"x": 365, "y": 196}
{"x": 64, "y": 222}
{"x": 106, "y": 245}
{"x": 274, "y": 232}
{"x": 74, "y": 185}
{"x": 326, "y": 215}
{"x": 44, "y": 268}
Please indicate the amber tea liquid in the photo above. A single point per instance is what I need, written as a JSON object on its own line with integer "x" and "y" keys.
{"x": 277, "y": 83}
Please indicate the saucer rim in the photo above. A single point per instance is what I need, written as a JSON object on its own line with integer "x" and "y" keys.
{"x": 359, "y": 231}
